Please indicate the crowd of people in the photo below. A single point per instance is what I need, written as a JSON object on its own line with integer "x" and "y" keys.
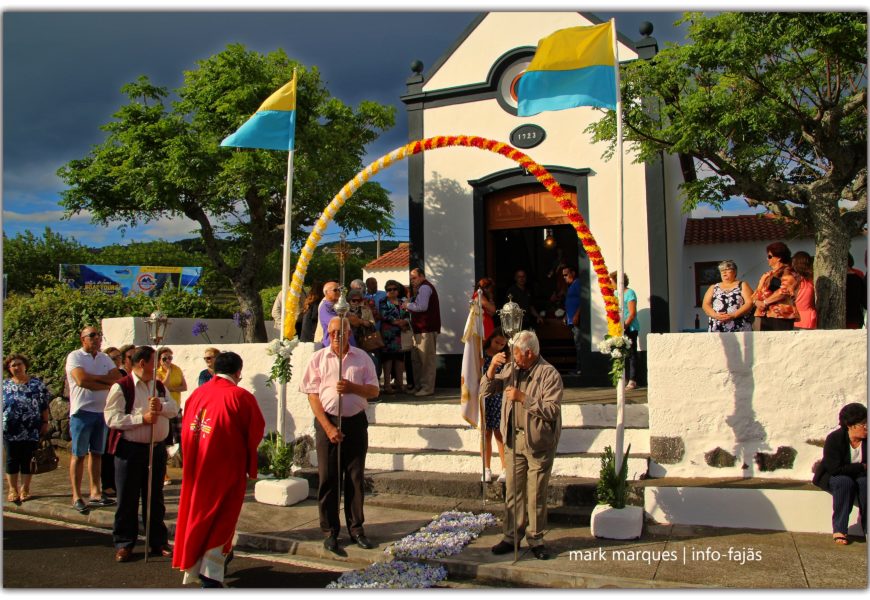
{"x": 126, "y": 408}
{"x": 783, "y": 300}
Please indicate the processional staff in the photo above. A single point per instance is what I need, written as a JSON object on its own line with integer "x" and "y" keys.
{"x": 341, "y": 308}
{"x": 512, "y": 323}
{"x": 157, "y": 325}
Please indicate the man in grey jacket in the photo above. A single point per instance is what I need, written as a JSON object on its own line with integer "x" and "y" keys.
{"x": 535, "y": 393}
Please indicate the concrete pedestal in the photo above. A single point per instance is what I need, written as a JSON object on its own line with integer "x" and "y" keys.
{"x": 281, "y": 492}
{"x": 617, "y": 523}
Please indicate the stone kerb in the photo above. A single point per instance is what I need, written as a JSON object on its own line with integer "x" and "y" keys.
{"x": 753, "y": 404}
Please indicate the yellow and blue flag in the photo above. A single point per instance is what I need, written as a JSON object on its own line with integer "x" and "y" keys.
{"x": 571, "y": 67}
{"x": 273, "y": 126}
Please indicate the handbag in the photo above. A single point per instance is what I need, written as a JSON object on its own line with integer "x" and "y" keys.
{"x": 44, "y": 458}
{"x": 371, "y": 340}
{"x": 407, "y": 340}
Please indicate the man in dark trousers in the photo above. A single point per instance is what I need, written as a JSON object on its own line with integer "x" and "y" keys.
{"x": 222, "y": 427}
{"x": 356, "y": 383}
{"x": 426, "y": 325}
{"x": 138, "y": 413}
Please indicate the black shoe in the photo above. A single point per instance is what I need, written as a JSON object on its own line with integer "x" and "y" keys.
{"x": 331, "y": 544}
{"x": 502, "y": 547}
{"x": 362, "y": 541}
{"x": 207, "y": 582}
{"x": 541, "y": 553}
{"x": 81, "y": 506}
{"x": 101, "y": 501}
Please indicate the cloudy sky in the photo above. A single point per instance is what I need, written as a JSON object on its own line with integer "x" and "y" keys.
{"x": 62, "y": 74}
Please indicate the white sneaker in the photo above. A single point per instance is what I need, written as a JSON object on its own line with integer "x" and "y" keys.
{"x": 503, "y": 477}
{"x": 487, "y": 476}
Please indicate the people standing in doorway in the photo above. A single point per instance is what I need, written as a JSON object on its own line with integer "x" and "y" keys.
{"x": 805, "y": 302}
{"x": 523, "y": 294}
{"x": 630, "y": 327}
{"x": 426, "y": 324}
{"x": 728, "y": 303}
{"x": 775, "y": 295}
{"x": 493, "y": 344}
{"x": 572, "y": 312}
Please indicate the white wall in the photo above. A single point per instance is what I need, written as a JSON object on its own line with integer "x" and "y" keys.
{"x": 132, "y": 330}
{"x": 752, "y": 392}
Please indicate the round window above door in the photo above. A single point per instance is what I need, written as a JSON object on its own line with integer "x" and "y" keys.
{"x": 506, "y": 93}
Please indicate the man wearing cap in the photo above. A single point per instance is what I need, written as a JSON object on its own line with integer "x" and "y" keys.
{"x": 90, "y": 374}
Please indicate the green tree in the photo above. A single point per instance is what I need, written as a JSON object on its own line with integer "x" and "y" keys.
{"x": 27, "y": 259}
{"x": 165, "y": 161}
{"x": 773, "y": 108}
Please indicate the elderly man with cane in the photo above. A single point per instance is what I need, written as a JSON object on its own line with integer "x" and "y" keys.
{"x": 339, "y": 381}
{"x": 138, "y": 415}
{"x": 532, "y": 388}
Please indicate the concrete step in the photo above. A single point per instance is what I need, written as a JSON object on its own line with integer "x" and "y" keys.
{"x": 465, "y": 438}
{"x": 428, "y": 491}
{"x": 754, "y": 503}
{"x": 595, "y": 413}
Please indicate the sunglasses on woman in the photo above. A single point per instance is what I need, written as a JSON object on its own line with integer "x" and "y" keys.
{"x": 166, "y": 359}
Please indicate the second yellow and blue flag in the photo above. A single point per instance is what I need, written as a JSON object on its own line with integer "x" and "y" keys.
{"x": 273, "y": 126}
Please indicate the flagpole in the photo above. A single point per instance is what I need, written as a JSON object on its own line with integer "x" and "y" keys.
{"x": 620, "y": 285}
{"x": 285, "y": 275}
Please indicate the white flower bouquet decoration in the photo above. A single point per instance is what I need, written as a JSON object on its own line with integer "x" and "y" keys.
{"x": 282, "y": 350}
{"x": 617, "y": 347}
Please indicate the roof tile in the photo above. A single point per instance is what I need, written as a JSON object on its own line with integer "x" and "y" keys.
{"x": 398, "y": 258}
{"x": 739, "y": 228}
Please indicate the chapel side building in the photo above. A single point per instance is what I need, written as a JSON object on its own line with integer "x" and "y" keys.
{"x": 474, "y": 213}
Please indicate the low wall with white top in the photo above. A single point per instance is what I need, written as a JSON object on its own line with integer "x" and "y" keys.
{"x": 755, "y": 404}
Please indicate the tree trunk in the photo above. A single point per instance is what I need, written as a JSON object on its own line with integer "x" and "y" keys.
{"x": 249, "y": 300}
{"x": 830, "y": 265}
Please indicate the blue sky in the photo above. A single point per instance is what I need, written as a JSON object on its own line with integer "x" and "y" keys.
{"x": 62, "y": 72}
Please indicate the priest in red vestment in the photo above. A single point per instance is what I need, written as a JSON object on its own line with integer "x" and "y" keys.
{"x": 221, "y": 430}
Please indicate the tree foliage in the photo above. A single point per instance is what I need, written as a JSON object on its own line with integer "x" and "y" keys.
{"x": 773, "y": 108}
{"x": 28, "y": 258}
{"x": 45, "y": 327}
{"x": 163, "y": 159}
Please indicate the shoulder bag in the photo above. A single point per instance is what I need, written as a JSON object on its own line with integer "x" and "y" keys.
{"x": 44, "y": 458}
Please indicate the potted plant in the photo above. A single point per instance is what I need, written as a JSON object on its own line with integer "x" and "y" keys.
{"x": 280, "y": 489}
{"x": 611, "y": 518}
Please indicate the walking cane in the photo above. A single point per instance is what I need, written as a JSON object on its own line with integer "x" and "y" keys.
{"x": 157, "y": 324}
{"x": 511, "y": 323}
{"x": 341, "y": 308}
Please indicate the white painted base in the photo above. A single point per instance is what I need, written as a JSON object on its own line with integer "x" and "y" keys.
{"x": 783, "y": 510}
{"x": 617, "y": 523}
{"x": 281, "y": 492}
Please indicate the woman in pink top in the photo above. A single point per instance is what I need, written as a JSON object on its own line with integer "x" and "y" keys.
{"x": 805, "y": 301}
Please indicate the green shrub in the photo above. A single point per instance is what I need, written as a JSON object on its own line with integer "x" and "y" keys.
{"x": 279, "y": 455}
{"x": 612, "y": 488}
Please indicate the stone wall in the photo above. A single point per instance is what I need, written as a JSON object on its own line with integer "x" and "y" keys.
{"x": 753, "y": 404}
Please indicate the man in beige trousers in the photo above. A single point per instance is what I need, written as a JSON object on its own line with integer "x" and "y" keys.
{"x": 536, "y": 396}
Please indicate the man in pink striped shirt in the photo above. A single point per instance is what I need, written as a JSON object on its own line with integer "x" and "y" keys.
{"x": 357, "y": 383}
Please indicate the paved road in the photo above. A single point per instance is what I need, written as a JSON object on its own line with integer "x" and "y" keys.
{"x": 45, "y": 554}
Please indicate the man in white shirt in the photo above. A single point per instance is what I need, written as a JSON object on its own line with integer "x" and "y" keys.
{"x": 142, "y": 414}
{"x": 89, "y": 373}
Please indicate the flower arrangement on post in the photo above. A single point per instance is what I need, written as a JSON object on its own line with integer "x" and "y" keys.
{"x": 283, "y": 490}
{"x": 282, "y": 350}
{"x": 617, "y": 347}
{"x": 201, "y": 329}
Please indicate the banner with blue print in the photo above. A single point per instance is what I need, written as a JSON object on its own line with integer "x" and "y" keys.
{"x": 128, "y": 280}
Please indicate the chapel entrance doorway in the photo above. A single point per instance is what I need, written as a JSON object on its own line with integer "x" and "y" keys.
{"x": 519, "y": 221}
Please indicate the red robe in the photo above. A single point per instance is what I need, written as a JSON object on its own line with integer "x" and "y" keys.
{"x": 221, "y": 430}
